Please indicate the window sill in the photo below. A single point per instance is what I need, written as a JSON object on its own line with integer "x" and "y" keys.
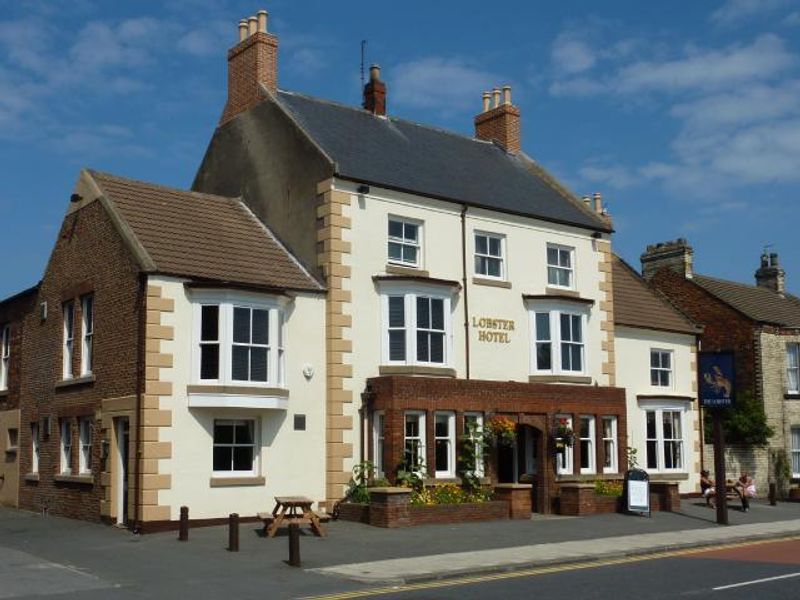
{"x": 590, "y": 479}
{"x": 662, "y": 477}
{"x": 564, "y": 295}
{"x": 12, "y": 449}
{"x": 236, "y": 481}
{"x": 664, "y": 397}
{"x": 237, "y": 396}
{"x": 392, "y": 269}
{"x": 31, "y": 477}
{"x": 554, "y": 290}
{"x": 3, "y": 393}
{"x": 75, "y": 381}
{"x": 488, "y": 282}
{"x": 417, "y": 370}
{"x": 792, "y": 396}
{"x": 580, "y": 379}
{"x": 82, "y": 479}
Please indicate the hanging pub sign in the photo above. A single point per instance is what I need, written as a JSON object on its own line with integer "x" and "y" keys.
{"x": 716, "y": 371}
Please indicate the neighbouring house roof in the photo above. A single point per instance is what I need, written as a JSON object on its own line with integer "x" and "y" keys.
{"x": 403, "y": 155}
{"x": 636, "y": 304}
{"x": 201, "y": 236}
{"x": 758, "y": 303}
{"x": 16, "y": 306}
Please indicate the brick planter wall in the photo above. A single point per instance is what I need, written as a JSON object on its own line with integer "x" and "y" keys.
{"x": 460, "y": 513}
{"x": 518, "y": 497}
{"x": 579, "y": 499}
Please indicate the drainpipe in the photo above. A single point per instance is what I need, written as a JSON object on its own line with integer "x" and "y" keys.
{"x": 140, "y": 373}
{"x": 464, "y": 282}
{"x": 701, "y": 410}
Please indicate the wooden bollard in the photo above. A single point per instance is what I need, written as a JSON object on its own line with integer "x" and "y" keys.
{"x": 233, "y": 532}
{"x": 294, "y": 545}
{"x": 183, "y": 527}
{"x": 773, "y": 493}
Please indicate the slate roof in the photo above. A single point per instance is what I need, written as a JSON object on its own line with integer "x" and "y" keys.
{"x": 758, "y": 303}
{"x": 407, "y": 156}
{"x": 202, "y": 236}
{"x": 636, "y": 304}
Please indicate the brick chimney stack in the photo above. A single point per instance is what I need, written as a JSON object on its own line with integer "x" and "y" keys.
{"x": 771, "y": 274}
{"x": 500, "y": 121}
{"x": 375, "y": 92}
{"x": 252, "y": 63}
{"x": 676, "y": 255}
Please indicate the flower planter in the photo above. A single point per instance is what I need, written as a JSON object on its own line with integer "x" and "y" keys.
{"x": 794, "y": 494}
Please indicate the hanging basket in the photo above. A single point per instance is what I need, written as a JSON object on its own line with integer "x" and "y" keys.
{"x": 502, "y": 431}
{"x": 563, "y": 435}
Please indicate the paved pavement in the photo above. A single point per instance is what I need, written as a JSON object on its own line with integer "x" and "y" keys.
{"x": 42, "y": 555}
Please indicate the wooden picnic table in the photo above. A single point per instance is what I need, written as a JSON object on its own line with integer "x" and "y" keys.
{"x": 293, "y": 509}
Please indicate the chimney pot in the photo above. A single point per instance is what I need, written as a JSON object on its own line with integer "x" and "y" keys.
{"x": 598, "y": 203}
{"x": 262, "y": 20}
{"x": 375, "y": 92}
{"x": 252, "y": 25}
{"x": 242, "y": 30}
{"x": 375, "y": 73}
{"x": 487, "y": 99}
{"x": 771, "y": 275}
{"x": 506, "y": 94}
{"x": 495, "y": 97}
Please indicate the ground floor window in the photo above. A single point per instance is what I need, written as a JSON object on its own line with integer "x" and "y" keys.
{"x": 445, "y": 444}
{"x": 664, "y": 428}
{"x": 234, "y": 447}
{"x": 564, "y": 453}
{"x": 473, "y": 430}
{"x": 378, "y": 424}
{"x": 34, "y": 447}
{"x": 609, "y": 444}
{"x": 796, "y": 452}
{"x": 414, "y": 441}
{"x": 85, "y": 463}
{"x": 66, "y": 446}
{"x": 587, "y": 441}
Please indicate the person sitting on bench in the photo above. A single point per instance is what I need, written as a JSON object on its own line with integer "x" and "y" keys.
{"x": 707, "y": 487}
{"x": 745, "y": 488}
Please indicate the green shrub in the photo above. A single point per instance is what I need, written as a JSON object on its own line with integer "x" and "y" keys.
{"x": 608, "y": 488}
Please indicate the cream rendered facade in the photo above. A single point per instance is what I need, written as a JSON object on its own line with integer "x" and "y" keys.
{"x": 634, "y": 347}
{"x": 286, "y": 459}
{"x": 440, "y": 273}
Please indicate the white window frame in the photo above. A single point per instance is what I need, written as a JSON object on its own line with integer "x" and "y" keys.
{"x": 565, "y": 458}
{"x": 610, "y": 449}
{"x": 555, "y": 311}
{"x": 795, "y": 457}
{"x": 378, "y": 436}
{"x": 488, "y": 256}
{"x": 85, "y": 438}
{"x": 227, "y": 301}
{"x": 570, "y": 250}
{"x": 34, "y": 447}
{"x": 68, "y": 315}
{"x": 87, "y": 334}
{"x": 65, "y": 444}
{"x": 421, "y": 447}
{"x": 404, "y": 242}
{"x": 477, "y": 418}
{"x": 253, "y": 472}
{"x": 591, "y": 440}
{"x": 5, "y": 355}
{"x": 450, "y": 439}
{"x": 661, "y": 352}
{"x": 793, "y": 366}
{"x": 661, "y": 442}
{"x": 410, "y": 295}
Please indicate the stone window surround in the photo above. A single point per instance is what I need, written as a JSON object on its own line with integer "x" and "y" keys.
{"x": 555, "y": 308}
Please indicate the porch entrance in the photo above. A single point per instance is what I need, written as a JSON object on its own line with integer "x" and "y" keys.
{"x": 522, "y": 463}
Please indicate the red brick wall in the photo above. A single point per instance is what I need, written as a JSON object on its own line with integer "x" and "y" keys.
{"x": 13, "y": 313}
{"x": 88, "y": 257}
{"x": 501, "y": 124}
{"x": 251, "y": 63}
{"x": 725, "y": 328}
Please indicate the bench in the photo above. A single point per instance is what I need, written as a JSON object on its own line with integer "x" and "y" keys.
{"x": 291, "y": 510}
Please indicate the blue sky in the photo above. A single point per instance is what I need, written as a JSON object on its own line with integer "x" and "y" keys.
{"x": 684, "y": 114}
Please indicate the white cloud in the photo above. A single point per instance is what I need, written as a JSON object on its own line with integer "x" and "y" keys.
{"x": 446, "y": 84}
{"x": 572, "y": 54}
{"x": 616, "y": 176}
{"x": 734, "y": 11}
{"x": 792, "y": 19}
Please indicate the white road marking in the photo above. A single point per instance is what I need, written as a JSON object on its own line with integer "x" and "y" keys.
{"x": 755, "y": 581}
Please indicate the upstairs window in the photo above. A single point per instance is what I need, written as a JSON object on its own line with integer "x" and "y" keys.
{"x": 559, "y": 342}
{"x": 793, "y": 368}
{"x": 404, "y": 242}
{"x": 69, "y": 340}
{"x": 416, "y": 328}
{"x": 489, "y": 256}
{"x": 239, "y": 342}
{"x": 661, "y": 368}
{"x": 560, "y": 266}
{"x": 87, "y": 350}
{"x": 5, "y": 355}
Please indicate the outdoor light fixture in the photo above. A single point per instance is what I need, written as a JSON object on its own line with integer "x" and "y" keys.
{"x": 363, "y": 189}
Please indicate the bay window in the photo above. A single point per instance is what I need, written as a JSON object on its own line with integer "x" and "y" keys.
{"x": 234, "y": 447}
{"x": 417, "y": 328}
{"x": 664, "y": 438}
{"x": 445, "y": 444}
{"x": 564, "y": 453}
{"x": 559, "y": 340}
{"x": 239, "y": 341}
{"x": 473, "y": 430}
{"x": 793, "y": 368}
{"x": 5, "y": 355}
{"x": 586, "y": 435}
{"x": 609, "y": 425}
{"x": 378, "y": 424}
{"x": 414, "y": 442}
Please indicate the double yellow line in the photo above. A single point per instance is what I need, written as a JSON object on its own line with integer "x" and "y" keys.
{"x": 532, "y": 572}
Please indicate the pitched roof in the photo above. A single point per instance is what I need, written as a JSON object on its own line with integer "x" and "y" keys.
{"x": 758, "y": 303}
{"x": 636, "y": 304}
{"x": 407, "y": 156}
{"x": 202, "y": 236}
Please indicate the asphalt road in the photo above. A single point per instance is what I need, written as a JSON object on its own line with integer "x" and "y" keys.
{"x": 766, "y": 571}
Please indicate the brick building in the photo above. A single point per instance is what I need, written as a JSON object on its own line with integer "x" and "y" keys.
{"x": 761, "y": 324}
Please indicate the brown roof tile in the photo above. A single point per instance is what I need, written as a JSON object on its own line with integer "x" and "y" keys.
{"x": 636, "y": 304}
{"x": 202, "y": 236}
{"x": 758, "y": 303}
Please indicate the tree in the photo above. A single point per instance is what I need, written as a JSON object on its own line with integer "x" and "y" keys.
{"x": 745, "y": 423}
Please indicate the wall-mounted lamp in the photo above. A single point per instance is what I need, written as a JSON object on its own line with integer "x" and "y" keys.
{"x": 363, "y": 189}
